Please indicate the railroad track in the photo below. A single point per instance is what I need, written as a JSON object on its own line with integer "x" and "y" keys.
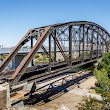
{"x": 40, "y": 73}
{"x": 62, "y": 84}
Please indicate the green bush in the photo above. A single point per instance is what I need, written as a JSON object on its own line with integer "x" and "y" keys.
{"x": 102, "y": 73}
{"x": 39, "y": 59}
{"x": 36, "y": 56}
{"x": 3, "y": 57}
{"x": 105, "y": 62}
{"x": 103, "y": 81}
{"x": 59, "y": 59}
{"x": 99, "y": 90}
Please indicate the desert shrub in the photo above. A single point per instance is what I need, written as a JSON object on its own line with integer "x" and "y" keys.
{"x": 89, "y": 103}
{"x": 99, "y": 90}
{"x": 3, "y": 57}
{"x": 36, "y": 56}
{"x": 39, "y": 59}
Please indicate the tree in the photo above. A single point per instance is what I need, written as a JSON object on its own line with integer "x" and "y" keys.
{"x": 102, "y": 73}
{"x": 103, "y": 81}
{"x": 105, "y": 62}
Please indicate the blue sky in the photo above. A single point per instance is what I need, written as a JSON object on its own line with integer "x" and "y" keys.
{"x": 18, "y": 16}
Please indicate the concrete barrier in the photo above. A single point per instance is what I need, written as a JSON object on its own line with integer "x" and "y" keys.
{"x": 5, "y": 101}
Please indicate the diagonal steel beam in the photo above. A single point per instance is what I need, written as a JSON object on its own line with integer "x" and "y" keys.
{"x": 44, "y": 49}
{"x": 12, "y": 54}
{"x": 59, "y": 46}
{"x": 29, "y": 57}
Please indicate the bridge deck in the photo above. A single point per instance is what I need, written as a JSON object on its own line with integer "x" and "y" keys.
{"x": 40, "y": 73}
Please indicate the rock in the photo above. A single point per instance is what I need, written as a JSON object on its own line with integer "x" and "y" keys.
{"x": 80, "y": 87}
{"x": 92, "y": 87}
{"x": 49, "y": 109}
{"x": 26, "y": 108}
{"x": 63, "y": 107}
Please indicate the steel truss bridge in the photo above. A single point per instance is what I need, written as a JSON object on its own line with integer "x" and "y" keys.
{"x": 85, "y": 40}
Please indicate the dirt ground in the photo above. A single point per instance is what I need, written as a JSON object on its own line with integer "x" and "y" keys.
{"x": 69, "y": 100}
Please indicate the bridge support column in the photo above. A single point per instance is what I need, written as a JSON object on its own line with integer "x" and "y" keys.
{"x": 49, "y": 53}
{"x": 32, "y": 62}
{"x": 5, "y": 101}
{"x": 70, "y": 44}
{"x": 87, "y": 40}
{"x": 79, "y": 41}
{"x": 83, "y": 45}
{"x": 17, "y": 60}
{"x": 92, "y": 41}
{"x": 107, "y": 49}
{"x": 55, "y": 46}
{"x": 97, "y": 44}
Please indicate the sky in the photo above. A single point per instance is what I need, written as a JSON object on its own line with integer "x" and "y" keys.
{"x": 18, "y": 16}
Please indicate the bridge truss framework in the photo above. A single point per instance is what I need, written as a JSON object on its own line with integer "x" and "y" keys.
{"x": 86, "y": 39}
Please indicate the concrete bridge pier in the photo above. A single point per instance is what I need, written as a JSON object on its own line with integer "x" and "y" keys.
{"x": 17, "y": 60}
{"x": 5, "y": 101}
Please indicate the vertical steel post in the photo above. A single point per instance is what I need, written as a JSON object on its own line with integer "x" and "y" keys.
{"x": 103, "y": 42}
{"x": 87, "y": 40}
{"x": 32, "y": 62}
{"x": 55, "y": 46}
{"x": 50, "y": 53}
{"x": 98, "y": 44}
{"x": 79, "y": 40}
{"x": 70, "y": 44}
{"x": 107, "y": 43}
{"x": 92, "y": 43}
{"x": 83, "y": 46}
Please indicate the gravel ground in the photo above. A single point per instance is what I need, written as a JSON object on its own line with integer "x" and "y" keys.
{"x": 69, "y": 100}
{"x": 66, "y": 101}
